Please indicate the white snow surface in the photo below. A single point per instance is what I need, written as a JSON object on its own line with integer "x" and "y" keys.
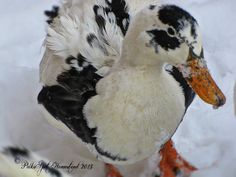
{"x": 206, "y": 137}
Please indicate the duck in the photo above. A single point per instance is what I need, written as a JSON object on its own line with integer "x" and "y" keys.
{"x": 120, "y": 75}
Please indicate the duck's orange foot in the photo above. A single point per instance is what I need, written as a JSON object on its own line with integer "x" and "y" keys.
{"x": 112, "y": 171}
{"x": 172, "y": 164}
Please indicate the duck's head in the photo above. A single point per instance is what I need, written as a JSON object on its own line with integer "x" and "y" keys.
{"x": 168, "y": 34}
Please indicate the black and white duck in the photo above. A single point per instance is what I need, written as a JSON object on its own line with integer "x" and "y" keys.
{"x": 121, "y": 74}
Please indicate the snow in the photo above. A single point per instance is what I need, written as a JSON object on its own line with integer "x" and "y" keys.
{"x": 206, "y": 137}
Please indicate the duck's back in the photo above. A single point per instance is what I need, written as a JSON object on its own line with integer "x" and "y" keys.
{"x": 83, "y": 41}
{"x": 83, "y": 31}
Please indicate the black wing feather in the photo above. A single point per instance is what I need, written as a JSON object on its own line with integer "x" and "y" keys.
{"x": 66, "y": 100}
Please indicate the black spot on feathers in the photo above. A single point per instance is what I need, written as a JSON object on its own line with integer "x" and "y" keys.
{"x": 70, "y": 59}
{"x": 51, "y": 14}
{"x": 15, "y": 151}
{"x": 94, "y": 42}
{"x": 99, "y": 18}
{"x": 91, "y": 38}
{"x": 175, "y": 17}
{"x": 81, "y": 60}
{"x": 119, "y": 9}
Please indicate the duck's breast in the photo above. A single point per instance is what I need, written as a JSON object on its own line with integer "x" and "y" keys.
{"x": 135, "y": 112}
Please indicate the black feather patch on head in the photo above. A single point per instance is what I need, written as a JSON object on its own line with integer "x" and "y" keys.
{"x": 162, "y": 38}
{"x": 175, "y": 17}
{"x": 51, "y": 14}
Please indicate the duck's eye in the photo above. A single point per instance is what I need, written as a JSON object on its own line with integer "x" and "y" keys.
{"x": 171, "y": 31}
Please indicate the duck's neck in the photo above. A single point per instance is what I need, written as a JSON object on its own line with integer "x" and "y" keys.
{"x": 135, "y": 58}
{"x": 134, "y": 53}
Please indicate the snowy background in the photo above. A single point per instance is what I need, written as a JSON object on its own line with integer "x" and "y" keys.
{"x": 206, "y": 137}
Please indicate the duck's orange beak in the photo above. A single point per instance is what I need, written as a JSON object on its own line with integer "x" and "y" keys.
{"x": 198, "y": 77}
